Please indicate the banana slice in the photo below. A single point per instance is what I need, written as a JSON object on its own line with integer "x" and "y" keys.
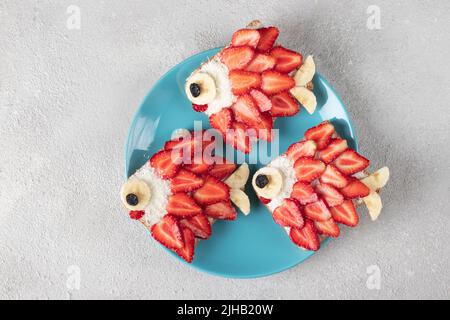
{"x": 373, "y": 204}
{"x": 200, "y": 88}
{"x": 267, "y": 182}
{"x": 241, "y": 200}
{"x": 306, "y": 98}
{"x": 135, "y": 194}
{"x": 377, "y": 180}
{"x": 239, "y": 178}
{"x": 305, "y": 73}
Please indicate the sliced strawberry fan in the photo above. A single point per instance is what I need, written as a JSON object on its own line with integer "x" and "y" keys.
{"x": 332, "y": 180}
{"x": 199, "y": 195}
{"x": 261, "y": 74}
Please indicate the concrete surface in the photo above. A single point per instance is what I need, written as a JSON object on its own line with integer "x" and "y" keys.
{"x": 67, "y": 97}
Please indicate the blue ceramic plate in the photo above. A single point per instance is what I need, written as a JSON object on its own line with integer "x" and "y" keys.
{"x": 253, "y": 245}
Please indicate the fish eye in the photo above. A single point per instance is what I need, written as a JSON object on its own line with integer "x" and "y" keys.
{"x": 200, "y": 88}
{"x": 267, "y": 182}
{"x": 135, "y": 194}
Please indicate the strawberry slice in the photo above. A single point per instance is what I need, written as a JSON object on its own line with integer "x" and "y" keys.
{"x": 246, "y": 111}
{"x": 317, "y": 211}
{"x": 221, "y": 121}
{"x": 164, "y": 165}
{"x": 237, "y": 58}
{"x": 222, "y": 170}
{"x": 302, "y": 149}
{"x": 331, "y": 196}
{"x": 187, "y": 251}
{"x": 238, "y": 137}
{"x": 284, "y": 105}
{"x": 245, "y": 37}
{"x": 261, "y": 62}
{"x": 211, "y": 192}
{"x": 264, "y": 127}
{"x": 268, "y": 36}
{"x": 306, "y": 237}
{"x": 136, "y": 214}
{"x": 307, "y": 169}
{"x": 334, "y": 149}
{"x": 221, "y": 210}
{"x": 350, "y": 162}
{"x": 199, "y": 166}
{"x": 168, "y": 232}
{"x": 321, "y": 134}
{"x": 199, "y": 107}
{"x": 304, "y": 193}
{"x": 355, "y": 189}
{"x": 185, "y": 181}
{"x": 262, "y": 101}
{"x": 329, "y": 228}
{"x": 264, "y": 200}
{"x": 199, "y": 224}
{"x": 243, "y": 81}
{"x": 345, "y": 214}
{"x": 181, "y": 205}
{"x": 333, "y": 177}
{"x": 288, "y": 214}
{"x": 275, "y": 82}
{"x": 287, "y": 60}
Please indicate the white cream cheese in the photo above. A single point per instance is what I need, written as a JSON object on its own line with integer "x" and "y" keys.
{"x": 224, "y": 96}
{"x": 160, "y": 192}
{"x": 286, "y": 167}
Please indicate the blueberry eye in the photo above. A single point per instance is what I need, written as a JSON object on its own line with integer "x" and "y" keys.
{"x": 195, "y": 89}
{"x": 132, "y": 199}
{"x": 262, "y": 180}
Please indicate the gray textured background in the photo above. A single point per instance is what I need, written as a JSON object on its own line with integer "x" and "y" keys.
{"x": 67, "y": 98}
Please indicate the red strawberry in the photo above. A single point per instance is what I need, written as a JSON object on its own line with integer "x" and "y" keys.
{"x": 245, "y": 110}
{"x": 181, "y": 205}
{"x": 199, "y": 107}
{"x": 302, "y": 149}
{"x": 333, "y": 177}
{"x": 168, "y": 232}
{"x": 164, "y": 163}
{"x": 329, "y": 228}
{"x": 264, "y": 127}
{"x": 268, "y": 36}
{"x": 187, "y": 251}
{"x": 287, "y": 60}
{"x": 317, "y": 211}
{"x": 261, "y": 62}
{"x": 275, "y": 82}
{"x": 245, "y": 37}
{"x": 199, "y": 224}
{"x": 237, "y": 58}
{"x": 334, "y": 149}
{"x": 355, "y": 189}
{"x": 284, "y": 105}
{"x": 238, "y": 137}
{"x": 221, "y": 210}
{"x": 306, "y": 237}
{"x": 321, "y": 134}
{"x": 331, "y": 196}
{"x": 288, "y": 214}
{"x": 307, "y": 169}
{"x": 184, "y": 146}
{"x": 350, "y": 162}
{"x": 264, "y": 200}
{"x": 303, "y": 193}
{"x": 221, "y": 121}
{"x": 185, "y": 181}
{"x": 263, "y": 102}
{"x": 345, "y": 214}
{"x": 222, "y": 170}
{"x": 199, "y": 166}
{"x": 213, "y": 191}
{"x": 136, "y": 215}
{"x": 243, "y": 81}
